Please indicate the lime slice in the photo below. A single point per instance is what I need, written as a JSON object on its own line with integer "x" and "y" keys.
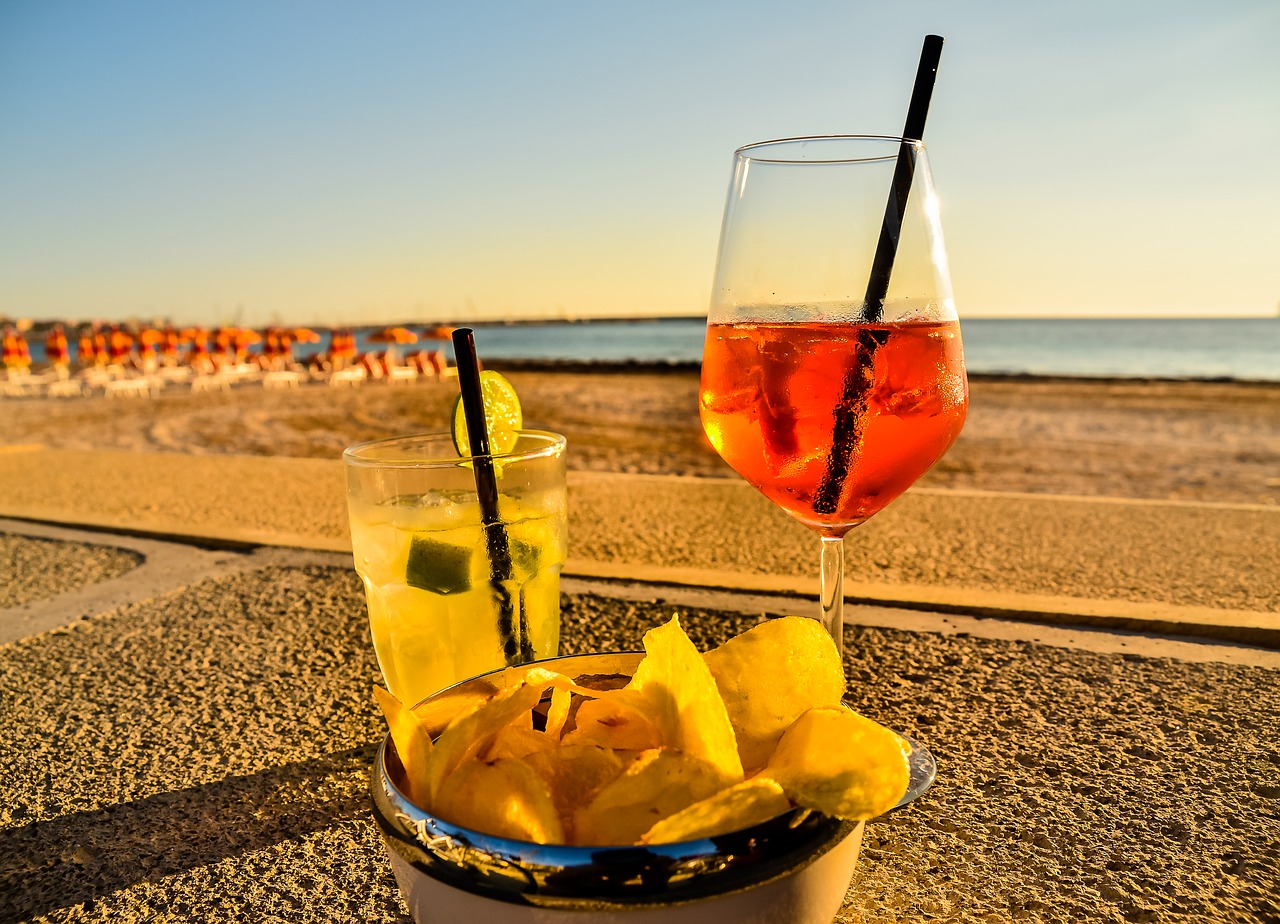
{"x": 525, "y": 559}
{"x": 440, "y": 567}
{"x": 502, "y": 415}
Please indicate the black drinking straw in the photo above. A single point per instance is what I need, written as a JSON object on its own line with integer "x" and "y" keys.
{"x": 904, "y": 170}
{"x": 515, "y": 647}
{"x": 847, "y": 432}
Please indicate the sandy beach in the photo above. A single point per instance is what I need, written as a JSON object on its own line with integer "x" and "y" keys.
{"x": 1165, "y": 440}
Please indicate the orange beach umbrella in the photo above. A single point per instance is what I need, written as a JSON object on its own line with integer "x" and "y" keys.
{"x": 393, "y": 335}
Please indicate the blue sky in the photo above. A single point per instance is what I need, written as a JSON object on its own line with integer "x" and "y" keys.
{"x": 323, "y": 162}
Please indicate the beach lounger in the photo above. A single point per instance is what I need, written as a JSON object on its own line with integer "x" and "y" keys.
{"x": 353, "y": 376}
{"x": 96, "y": 377}
{"x": 211, "y": 382}
{"x": 282, "y": 379}
{"x": 143, "y": 386}
{"x": 175, "y": 373}
{"x": 22, "y": 384}
{"x": 241, "y": 372}
{"x": 66, "y": 388}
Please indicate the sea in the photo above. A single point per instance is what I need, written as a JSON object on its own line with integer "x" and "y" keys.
{"x": 1241, "y": 349}
{"x": 1238, "y": 349}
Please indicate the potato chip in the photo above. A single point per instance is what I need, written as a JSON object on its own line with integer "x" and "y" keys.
{"x": 769, "y": 675}
{"x": 503, "y": 798}
{"x": 516, "y": 741}
{"x": 436, "y": 712}
{"x": 658, "y": 784}
{"x": 748, "y": 803}
{"x": 615, "y": 722}
{"x": 467, "y": 733}
{"x": 558, "y": 711}
{"x": 675, "y": 688}
{"x": 838, "y": 762}
{"x": 575, "y": 773}
{"x": 410, "y": 736}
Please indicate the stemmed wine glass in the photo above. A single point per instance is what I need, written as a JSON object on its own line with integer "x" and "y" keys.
{"x": 832, "y": 374}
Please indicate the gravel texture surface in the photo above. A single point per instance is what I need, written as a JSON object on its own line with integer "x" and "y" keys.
{"x": 40, "y": 569}
{"x": 204, "y": 757}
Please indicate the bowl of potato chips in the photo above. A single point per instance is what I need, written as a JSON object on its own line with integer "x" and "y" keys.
{"x": 666, "y": 785}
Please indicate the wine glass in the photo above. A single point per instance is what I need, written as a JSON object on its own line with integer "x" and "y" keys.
{"x": 832, "y": 374}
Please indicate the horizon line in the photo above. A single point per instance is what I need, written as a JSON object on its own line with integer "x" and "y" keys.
{"x": 512, "y": 320}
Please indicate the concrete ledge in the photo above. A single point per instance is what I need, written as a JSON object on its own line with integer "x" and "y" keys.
{"x": 213, "y": 536}
{"x": 165, "y": 568}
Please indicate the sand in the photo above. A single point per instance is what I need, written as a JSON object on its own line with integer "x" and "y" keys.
{"x": 1187, "y": 441}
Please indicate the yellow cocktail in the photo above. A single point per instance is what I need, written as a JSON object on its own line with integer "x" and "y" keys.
{"x": 440, "y": 610}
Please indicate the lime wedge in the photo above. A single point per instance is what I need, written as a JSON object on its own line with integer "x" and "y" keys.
{"x": 502, "y": 415}
{"x": 440, "y": 567}
{"x": 525, "y": 559}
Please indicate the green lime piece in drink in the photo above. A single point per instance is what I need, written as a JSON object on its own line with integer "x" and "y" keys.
{"x": 502, "y": 415}
{"x": 440, "y": 567}
{"x": 525, "y": 559}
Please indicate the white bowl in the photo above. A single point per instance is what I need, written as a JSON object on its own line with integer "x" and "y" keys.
{"x": 791, "y": 869}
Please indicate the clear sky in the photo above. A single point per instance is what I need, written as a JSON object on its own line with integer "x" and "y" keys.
{"x": 310, "y": 161}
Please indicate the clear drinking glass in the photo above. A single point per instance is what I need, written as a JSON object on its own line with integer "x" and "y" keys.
{"x": 832, "y": 374}
{"x": 439, "y": 611}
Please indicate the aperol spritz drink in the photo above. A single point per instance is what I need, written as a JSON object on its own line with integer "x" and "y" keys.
{"x": 775, "y": 395}
{"x": 832, "y": 372}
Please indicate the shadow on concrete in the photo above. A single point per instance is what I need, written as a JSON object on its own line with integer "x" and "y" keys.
{"x": 74, "y": 859}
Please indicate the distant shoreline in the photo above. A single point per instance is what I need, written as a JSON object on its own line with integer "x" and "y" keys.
{"x": 1043, "y": 349}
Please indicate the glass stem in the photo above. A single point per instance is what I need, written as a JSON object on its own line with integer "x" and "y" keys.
{"x": 833, "y": 589}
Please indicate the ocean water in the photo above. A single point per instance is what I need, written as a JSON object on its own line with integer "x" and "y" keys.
{"x": 1243, "y": 349}
{"x": 1193, "y": 348}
